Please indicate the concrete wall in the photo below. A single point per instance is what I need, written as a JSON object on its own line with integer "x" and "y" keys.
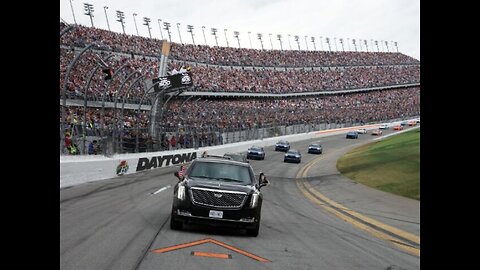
{"x": 76, "y": 170}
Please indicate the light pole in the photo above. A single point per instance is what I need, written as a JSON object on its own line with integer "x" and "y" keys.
{"x": 321, "y": 43}
{"x": 251, "y": 47}
{"x": 289, "y": 44}
{"x": 298, "y": 43}
{"x": 306, "y": 43}
{"x": 203, "y": 31}
{"x": 135, "y": 22}
{"x": 73, "y": 13}
{"x": 190, "y": 29}
{"x": 328, "y": 42}
{"x": 259, "y": 35}
{"x": 396, "y": 45}
{"x": 376, "y": 43}
{"x": 335, "y": 41}
{"x": 313, "y": 41}
{"x": 167, "y": 27}
{"x": 106, "y": 17}
{"x": 89, "y": 11}
{"x": 341, "y": 42}
{"x": 366, "y": 45}
{"x": 160, "y": 27}
{"x": 179, "y": 35}
{"x": 121, "y": 19}
{"x": 226, "y": 39}
{"x": 146, "y": 21}
{"x": 354, "y": 44}
{"x": 271, "y": 43}
{"x": 386, "y": 44}
{"x": 279, "y": 37}
{"x": 214, "y": 33}
{"x": 236, "y": 34}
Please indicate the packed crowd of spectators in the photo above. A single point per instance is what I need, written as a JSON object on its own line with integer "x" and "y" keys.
{"x": 80, "y": 36}
{"x": 249, "y": 113}
{"x": 112, "y": 118}
{"x": 233, "y": 114}
{"x": 288, "y": 58}
{"x": 215, "y": 79}
{"x": 80, "y": 74}
{"x": 208, "y": 118}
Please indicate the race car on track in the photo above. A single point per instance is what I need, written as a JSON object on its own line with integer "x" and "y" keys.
{"x": 412, "y": 123}
{"x": 315, "y": 148}
{"x": 292, "y": 156}
{"x": 352, "y": 135}
{"x": 399, "y": 127}
{"x": 256, "y": 152}
{"x": 361, "y": 131}
{"x": 377, "y": 132}
{"x": 218, "y": 191}
{"x": 282, "y": 146}
{"x": 383, "y": 126}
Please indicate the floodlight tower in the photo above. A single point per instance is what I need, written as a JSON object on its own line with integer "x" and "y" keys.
{"x": 89, "y": 11}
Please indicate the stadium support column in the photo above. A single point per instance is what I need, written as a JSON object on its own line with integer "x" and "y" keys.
{"x": 85, "y": 95}
{"x": 64, "y": 92}
{"x": 158, "y": 102}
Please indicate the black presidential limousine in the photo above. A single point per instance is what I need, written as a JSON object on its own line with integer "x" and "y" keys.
{"x": 218, "y": 191}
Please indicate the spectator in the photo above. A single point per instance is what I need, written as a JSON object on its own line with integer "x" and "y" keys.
{"x": 173, "y": 142}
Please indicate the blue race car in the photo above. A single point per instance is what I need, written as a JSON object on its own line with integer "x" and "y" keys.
{"x": 283, "y": 146}
{"x": 292, "y": 156}
{"x": 352, "y": 135}
{"x": 315, "y": 148}
{"x": 256, "y": 152}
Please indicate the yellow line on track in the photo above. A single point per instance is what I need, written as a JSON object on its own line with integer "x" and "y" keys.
{"x": 330, "y": 205}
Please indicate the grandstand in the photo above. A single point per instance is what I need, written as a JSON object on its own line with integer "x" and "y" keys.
{"x": 237, "y": 94}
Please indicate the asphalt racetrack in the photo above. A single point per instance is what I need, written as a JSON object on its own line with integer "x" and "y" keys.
{"x": 312, "y": 218}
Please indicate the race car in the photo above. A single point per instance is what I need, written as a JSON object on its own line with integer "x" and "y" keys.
{"x": 352, "y": 135}
{"x": 383, "y": 126}
{"x": 377, "y": 132}
{"x": 315, "y": 148}
{"x": 361, "y": 131}
{"x": 283, "y": 146}
{"x": 292, "y": 156}
{"x": 256, "y": 152}
{"x": 399, "y": 127}
{"x": 412, "y": 123}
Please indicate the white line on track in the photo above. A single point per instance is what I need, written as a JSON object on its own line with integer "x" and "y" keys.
{"x": 160, "y": 190}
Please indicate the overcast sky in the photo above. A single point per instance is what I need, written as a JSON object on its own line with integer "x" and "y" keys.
{"x": 382, "y": 20}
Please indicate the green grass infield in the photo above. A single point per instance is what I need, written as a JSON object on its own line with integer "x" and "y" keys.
{"x": 391, "y": 164}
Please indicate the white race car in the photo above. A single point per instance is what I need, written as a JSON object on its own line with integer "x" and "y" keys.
{"x": 383, "y": 126}
{"x": 361, "y": 131}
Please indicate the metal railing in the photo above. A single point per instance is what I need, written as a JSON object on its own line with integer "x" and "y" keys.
{"x": 111, "y": 140}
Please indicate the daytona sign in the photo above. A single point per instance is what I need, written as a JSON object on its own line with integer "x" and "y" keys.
{"x": 161, "y": 161}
